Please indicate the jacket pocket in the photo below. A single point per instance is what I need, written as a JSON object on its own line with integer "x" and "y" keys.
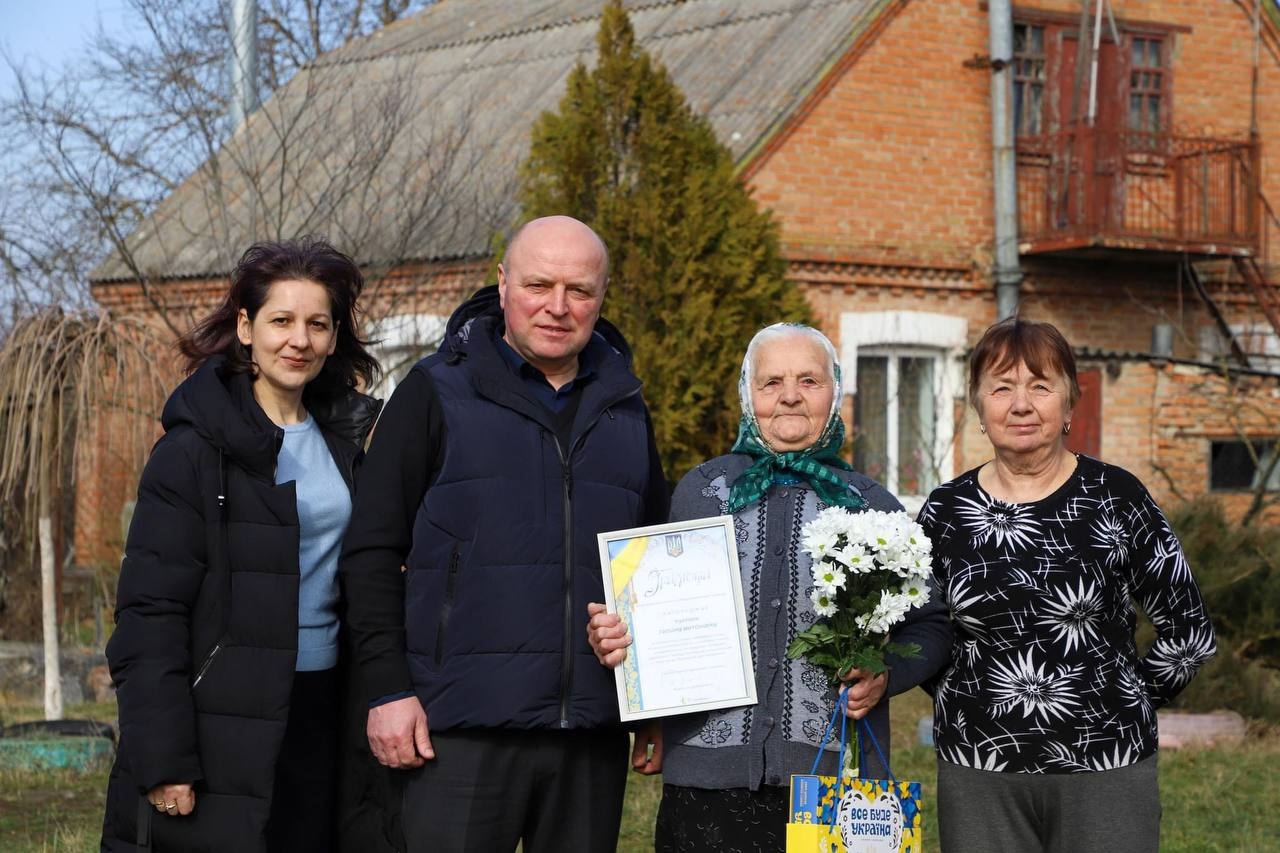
{"x": 145, "y": 812}
{"x": 446, "y": 606}
{"x": 203, "y": 669}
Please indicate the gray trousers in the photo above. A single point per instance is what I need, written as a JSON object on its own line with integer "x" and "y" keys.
{"x": 1117, "y": 811}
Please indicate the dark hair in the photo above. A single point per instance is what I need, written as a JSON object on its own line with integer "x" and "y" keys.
{"x": 262, "y": 265}
{"x": 1040, "y": 346}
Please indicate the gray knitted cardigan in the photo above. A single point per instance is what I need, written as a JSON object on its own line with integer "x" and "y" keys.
{"x": 768, "y": 742}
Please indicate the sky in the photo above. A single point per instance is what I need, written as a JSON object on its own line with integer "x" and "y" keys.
{"x": 50, "y": 32}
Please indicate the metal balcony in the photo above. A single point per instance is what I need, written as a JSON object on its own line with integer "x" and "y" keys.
{"x": 1101, "y": 193}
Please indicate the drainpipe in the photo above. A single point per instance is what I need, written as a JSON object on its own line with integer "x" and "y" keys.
{"x": 243, "y": 60}
{"x": 1008, "y": 274}
{"x": 1253, "y": 86}
{"x": 1261, "y": 250}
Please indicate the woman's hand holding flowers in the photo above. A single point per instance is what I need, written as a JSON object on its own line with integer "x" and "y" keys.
{"x": 866, "y": 688}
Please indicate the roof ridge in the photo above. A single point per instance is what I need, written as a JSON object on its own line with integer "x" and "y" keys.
{"x": 572, "y": 20}
{"x": 323, "y": 62}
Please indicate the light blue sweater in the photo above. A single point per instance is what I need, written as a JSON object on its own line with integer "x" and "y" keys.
{"x": 324, "y": 508}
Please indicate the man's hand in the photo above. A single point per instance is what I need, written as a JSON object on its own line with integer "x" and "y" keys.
{"x": 607, "y": 635}
{"x": 173, "y": 799}
{"x": 865, "y": 690}
{"x": 398, "y": 734}
{"x": 646, "y": 754}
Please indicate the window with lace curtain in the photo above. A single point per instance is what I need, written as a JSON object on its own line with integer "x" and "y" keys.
{"x": 895, "y": 417}
{"x": 905, "y": 373}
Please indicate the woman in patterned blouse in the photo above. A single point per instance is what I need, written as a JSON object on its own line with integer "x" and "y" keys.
{"x": 1045, "y": 721}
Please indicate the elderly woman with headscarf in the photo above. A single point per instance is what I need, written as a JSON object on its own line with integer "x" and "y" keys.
{"x": 1045, "y": 721}
{"x": 727, "y": 773}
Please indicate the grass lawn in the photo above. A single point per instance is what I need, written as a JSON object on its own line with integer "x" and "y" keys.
{"x": 1223, "y": 798}
{"x": 53, "y": 811}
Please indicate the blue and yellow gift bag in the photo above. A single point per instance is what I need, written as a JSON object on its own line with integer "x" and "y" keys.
{"x": 831, "y": 815}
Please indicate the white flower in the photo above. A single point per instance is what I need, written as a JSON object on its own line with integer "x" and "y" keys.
{"x": 829, "y": 577}
{"x": 823, "y": 603}
{"x": 889, "y": 553}
{"x": 916, "y": 591}
{"x": 891, "y": 610}
{"x": 854, "y": 557}
{"x": 921, "y": 566}
{"x": 817, "y": 543}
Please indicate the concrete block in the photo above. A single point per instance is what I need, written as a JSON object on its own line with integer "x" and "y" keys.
{"x": 1220, "y": 727}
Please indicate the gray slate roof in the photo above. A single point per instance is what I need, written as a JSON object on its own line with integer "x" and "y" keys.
{"x": 405, "y": 145}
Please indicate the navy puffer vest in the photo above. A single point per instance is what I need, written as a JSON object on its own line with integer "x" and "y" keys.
{"x": 504, "y": 556}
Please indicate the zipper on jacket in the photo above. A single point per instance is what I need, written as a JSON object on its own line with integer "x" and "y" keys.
{"x": 566, "y": 670}
{"x": 450, "y": 585}
{"x": 222, "y": 479}
{"x": 204, "y": 666}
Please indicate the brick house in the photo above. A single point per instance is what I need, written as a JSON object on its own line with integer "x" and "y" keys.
{"x": 866, "y": 125}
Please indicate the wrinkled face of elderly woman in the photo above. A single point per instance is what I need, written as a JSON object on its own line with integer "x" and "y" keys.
{"x": 1024, "y": 413}
{"x": 791, "y": 391}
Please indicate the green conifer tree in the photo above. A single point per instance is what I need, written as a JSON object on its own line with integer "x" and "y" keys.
{"x": 697, "y": 268}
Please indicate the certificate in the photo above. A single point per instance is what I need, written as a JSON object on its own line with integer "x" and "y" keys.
{"x": 677, "y": 588}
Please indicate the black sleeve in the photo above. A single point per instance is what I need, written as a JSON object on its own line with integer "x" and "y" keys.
{"x": 928, "y": 626}
{"x": 149, "y": 652}
{"x": 657, "y": 501}
{"x": 1162, "y": 583}
{"x": 403, "y": 460}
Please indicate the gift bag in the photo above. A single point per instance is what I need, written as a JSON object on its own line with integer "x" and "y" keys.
{"x": 835, "y": 815}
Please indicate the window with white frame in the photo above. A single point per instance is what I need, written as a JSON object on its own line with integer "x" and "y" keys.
{"x": 401, "y": 341}
{"x": 895, "y": 418}
{"x": 904, "y": 370}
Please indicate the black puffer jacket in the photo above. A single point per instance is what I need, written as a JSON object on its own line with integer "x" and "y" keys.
{"x": 206, "y": 634}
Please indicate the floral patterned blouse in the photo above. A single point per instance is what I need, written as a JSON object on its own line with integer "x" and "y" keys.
{"x": 1045, "y": 676}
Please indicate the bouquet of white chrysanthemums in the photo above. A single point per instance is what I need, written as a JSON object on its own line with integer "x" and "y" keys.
{"x": 869, "y": 569}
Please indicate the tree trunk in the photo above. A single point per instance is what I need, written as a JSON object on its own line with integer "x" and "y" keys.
{"x": 49, "y": 610}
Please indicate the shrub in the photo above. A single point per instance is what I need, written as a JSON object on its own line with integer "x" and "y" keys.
{"x": 1238, "y": 570}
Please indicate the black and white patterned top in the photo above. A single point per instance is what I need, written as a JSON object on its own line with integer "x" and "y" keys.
{"x": 1045, "y": 676}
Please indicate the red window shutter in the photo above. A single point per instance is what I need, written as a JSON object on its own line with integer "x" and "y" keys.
{"x": 1086, "y": 421}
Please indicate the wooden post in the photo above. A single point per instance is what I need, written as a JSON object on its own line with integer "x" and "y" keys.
{"x": 49, "y": 605}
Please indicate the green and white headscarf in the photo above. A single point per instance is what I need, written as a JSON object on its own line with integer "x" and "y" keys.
{"x": 809, "y": 464}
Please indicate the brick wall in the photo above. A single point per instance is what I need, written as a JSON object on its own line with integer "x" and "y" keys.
{"x": 884, "y": 194}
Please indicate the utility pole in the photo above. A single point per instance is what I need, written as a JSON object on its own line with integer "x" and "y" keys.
{"x": 244, "y": 60}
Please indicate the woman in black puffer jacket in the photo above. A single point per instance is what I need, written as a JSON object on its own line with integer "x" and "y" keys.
{"x": 225, "y": 652}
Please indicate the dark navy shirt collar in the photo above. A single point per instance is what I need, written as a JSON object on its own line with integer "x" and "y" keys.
{"x": 536, "y": 381}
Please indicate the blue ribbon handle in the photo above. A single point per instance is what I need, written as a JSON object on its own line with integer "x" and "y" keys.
{"x": 844, "y": 720}
{"x": 813, "y": 771}
{"x": 866, "y": 727}
{"x": 826, "y": 735}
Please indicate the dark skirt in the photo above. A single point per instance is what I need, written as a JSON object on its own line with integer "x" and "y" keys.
{"x": 691, "y": 820}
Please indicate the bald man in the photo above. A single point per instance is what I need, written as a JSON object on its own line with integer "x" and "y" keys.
{"x": 495, "y": 464}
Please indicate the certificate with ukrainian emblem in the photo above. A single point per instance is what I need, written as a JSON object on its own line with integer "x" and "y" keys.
{"x": 678, "y": 589}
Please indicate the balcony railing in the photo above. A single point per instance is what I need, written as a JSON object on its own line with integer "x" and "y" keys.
{"x": 1091, "y": 189}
